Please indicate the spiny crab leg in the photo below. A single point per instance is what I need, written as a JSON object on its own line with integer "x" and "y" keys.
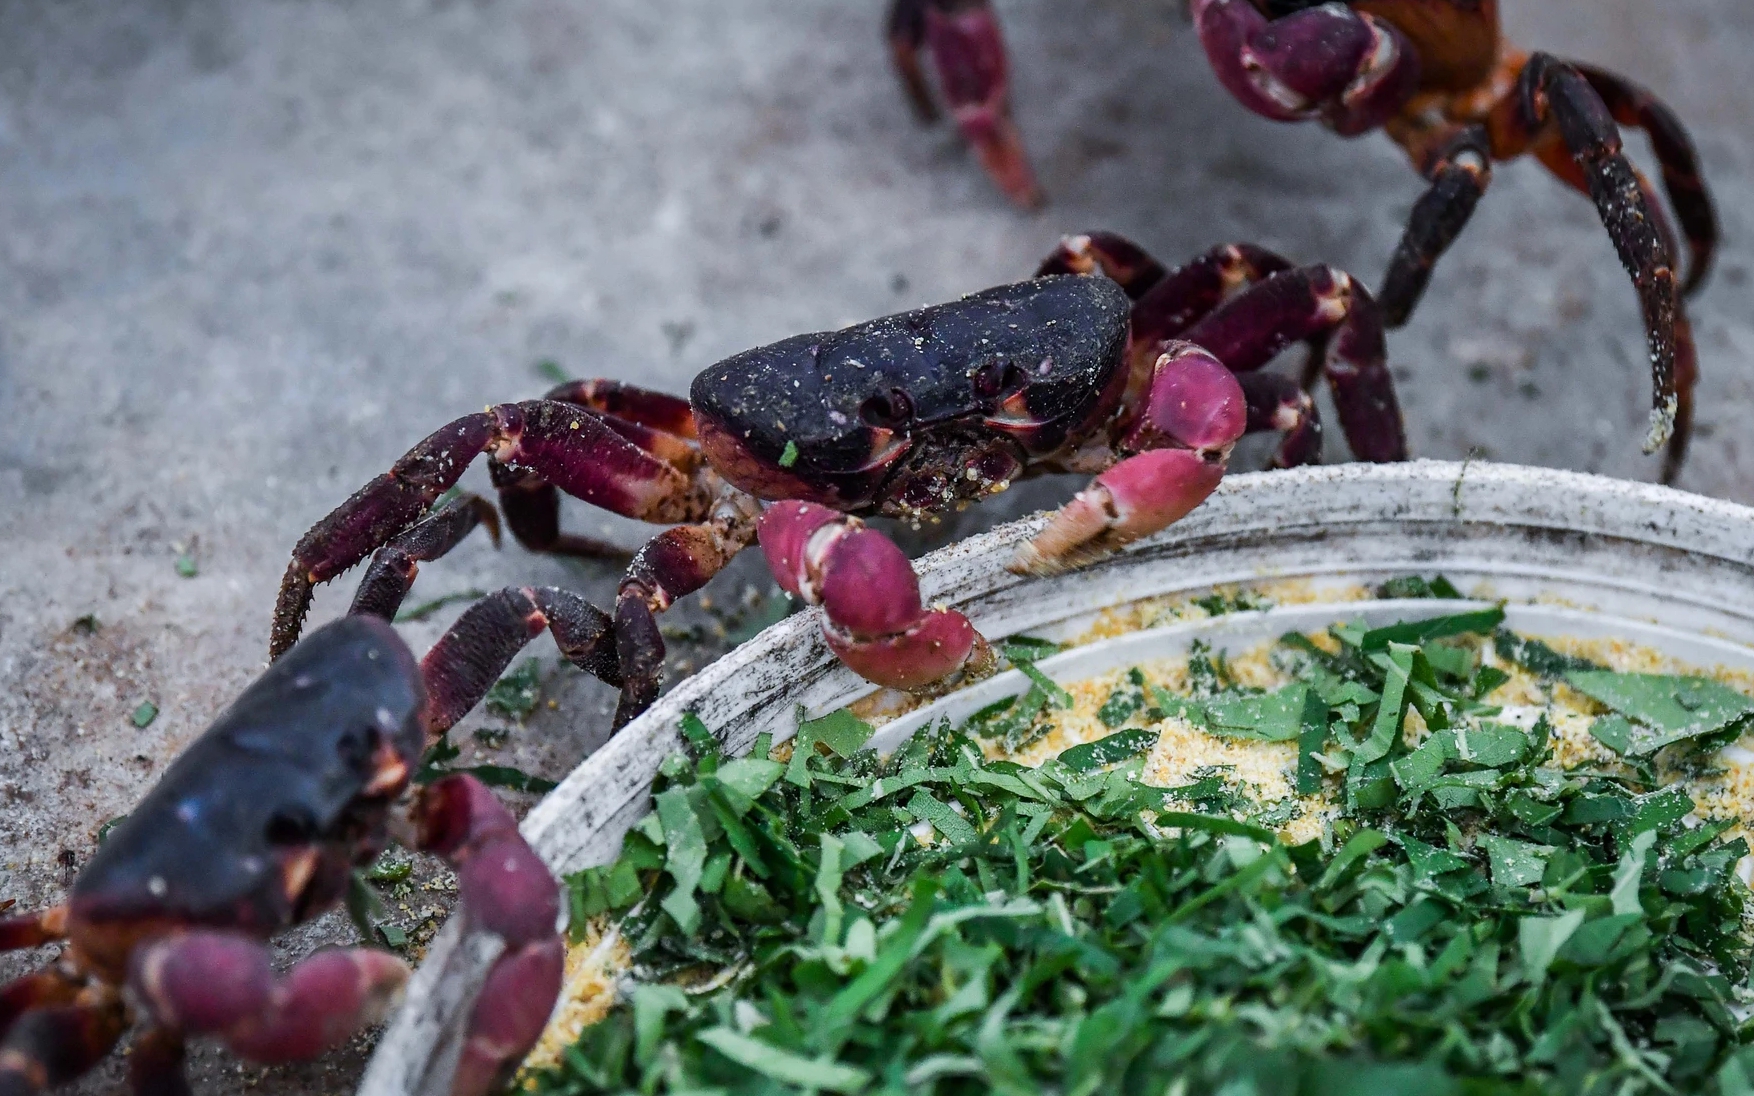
{"x": 568, "y": 446}
{"x": 1194, "y": 414}
{"x": 1553, "y": 92}
{"x": 870, "y": 598}
{"x": 969, "y": 52}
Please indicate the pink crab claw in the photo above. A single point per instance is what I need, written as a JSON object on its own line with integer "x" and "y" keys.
{"x": 1193, "y": 415}
{"x": 504, "y": 889}
{"x": 968, "y": 50}
{"x": 222, "y": 984}
{"x": 870, "y": 598}
{"x": 1348, "y": 68}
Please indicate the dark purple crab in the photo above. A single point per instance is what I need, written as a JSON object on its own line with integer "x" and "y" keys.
{"x": 1440, "y": 79}
{"x": 255, "y": 828}
{"x": 1106, "y": 364}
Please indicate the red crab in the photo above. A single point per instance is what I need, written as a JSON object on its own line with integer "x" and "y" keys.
{"x": 255, "y": 828}
{"x": 1440, "y": 79}
{"x": 1145, "y": 377}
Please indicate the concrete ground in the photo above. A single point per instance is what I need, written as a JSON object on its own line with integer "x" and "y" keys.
{"x": 251, "y": 251}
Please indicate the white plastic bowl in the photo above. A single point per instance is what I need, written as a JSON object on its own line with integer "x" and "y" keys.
{"x": 1573, "y": 554}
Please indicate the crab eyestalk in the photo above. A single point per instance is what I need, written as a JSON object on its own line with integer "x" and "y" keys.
{"x": 872, "y": 615}
{"x": 1193, "y": 416}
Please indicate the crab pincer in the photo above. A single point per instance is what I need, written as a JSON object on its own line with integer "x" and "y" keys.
{"x": 870, "y": 599}
{"x": 1194, "y": 413}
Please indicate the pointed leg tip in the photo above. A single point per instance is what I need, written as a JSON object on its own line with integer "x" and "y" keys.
{"x": 1662, "y": 425}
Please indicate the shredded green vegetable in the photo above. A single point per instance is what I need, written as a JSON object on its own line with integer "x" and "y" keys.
{"x": 1478, "y": 921}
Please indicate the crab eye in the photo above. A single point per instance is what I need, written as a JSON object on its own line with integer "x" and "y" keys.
{"x": 355, "y": 747}
{"x": 989, "y": 379}
{"x": 889, "y": 411}
{"x": 291, "y": 826}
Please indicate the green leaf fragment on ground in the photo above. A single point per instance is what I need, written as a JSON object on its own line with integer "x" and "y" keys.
{"x": 143, "y": 715}
{"x": 514, "y": 696}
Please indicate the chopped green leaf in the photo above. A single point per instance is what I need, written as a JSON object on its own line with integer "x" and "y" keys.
{"x": 1670, "y": 709}
{"x": 783, "y": 1066}
{"x": 1424, "y": 631}
{"x": 1515, "y": 863}
{"x": 144, "y": 714}
{"x": 1536, "y": 657}
{"x": 1274, "y": 717}
{"x": 789, "y": 455}
{"x": 839, "y": 730}
{"x": 1108, "y": 751}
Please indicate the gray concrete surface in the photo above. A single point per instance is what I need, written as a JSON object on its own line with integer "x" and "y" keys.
{"x": 250, "y": 251}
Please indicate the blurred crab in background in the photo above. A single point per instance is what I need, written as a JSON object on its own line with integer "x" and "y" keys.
{"x": 1438, "y": 77}
{"x": 256, "y": 827}
{"x": 1107, "y": 364}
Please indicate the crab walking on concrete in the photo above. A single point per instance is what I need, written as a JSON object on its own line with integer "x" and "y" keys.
{"x": 1440, "y": 79}
{"x": 1105, "y": 364}
{"x": 255, "y": 828}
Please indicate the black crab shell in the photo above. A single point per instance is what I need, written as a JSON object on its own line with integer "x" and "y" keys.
{"x": 851, "y": 401}
{"x": 281, "y": 769}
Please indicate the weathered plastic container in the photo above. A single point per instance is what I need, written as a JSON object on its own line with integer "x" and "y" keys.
{"x": 1572, "y": 554}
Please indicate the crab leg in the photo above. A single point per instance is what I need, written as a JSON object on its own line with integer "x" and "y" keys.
{"x": 1326, "y": 305}
{"x": 532, "y": 504}
{"x": 1277, "y": 402}
{"x": 872, "y": 617}
{"x": 1191, "y": 291}
{"x": 1459, "y": 171}
{"x": 1193, "y": 414}
{"x": 53, "y": 985}
{"x": 210, "y": 982}
{"x": 565, "y": 445}
{"x": 673, "y": 564}
{"x": 1120, "y": 259}
{"x": 658, "y": 410}
{"x": 29, "y": 930}
{"x": 155, "y": 1064}
{"x": 505, "y": 889}
{"x": 51, "y": 1046}
{"x": 969, "y": 53}
{"x": 1551, "y": 91}
{"x": 1350, "y": 69}
{"x": 463, "y": 665}
{"x": 395, "y": 565}
{"x": 1632, "y": 105}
